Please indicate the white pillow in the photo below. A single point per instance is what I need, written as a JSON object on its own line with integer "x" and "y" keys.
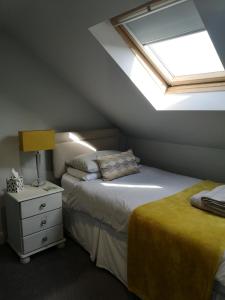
{"x": 83, "y": 175}
{"x": 64, "y": 152}
{"x": 88, "y": 162}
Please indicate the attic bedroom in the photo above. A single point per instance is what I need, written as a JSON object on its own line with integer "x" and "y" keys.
{"x": 112, "y": 150}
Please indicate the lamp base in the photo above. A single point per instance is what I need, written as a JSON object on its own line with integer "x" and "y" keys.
{"x": 38, "y": 183}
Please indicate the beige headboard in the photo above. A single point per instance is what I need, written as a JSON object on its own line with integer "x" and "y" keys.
{"x": 70, "y": 144}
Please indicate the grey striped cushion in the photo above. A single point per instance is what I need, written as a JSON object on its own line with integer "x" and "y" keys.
{"x": 118, "y": 165}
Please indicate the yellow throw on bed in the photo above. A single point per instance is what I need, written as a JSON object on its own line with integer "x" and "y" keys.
{"x": 174, "y": 249}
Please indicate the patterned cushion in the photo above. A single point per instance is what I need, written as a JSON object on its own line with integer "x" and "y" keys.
{"x": 118, "y": 165}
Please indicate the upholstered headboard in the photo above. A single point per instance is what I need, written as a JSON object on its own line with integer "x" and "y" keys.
{"x": 70, "y": 144}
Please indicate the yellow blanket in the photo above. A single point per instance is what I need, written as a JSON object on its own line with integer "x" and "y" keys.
{"x": 174, "y": 250}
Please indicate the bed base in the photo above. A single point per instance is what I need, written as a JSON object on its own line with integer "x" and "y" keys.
{"x": 107, "y": 247}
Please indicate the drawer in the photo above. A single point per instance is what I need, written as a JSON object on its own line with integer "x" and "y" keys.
{"x": 40, "y": 205}
{"x": 43, "y": 238}
{"x": 41, "y": 222}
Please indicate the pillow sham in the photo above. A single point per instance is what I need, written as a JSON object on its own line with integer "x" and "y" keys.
{"x": 87, "y": 162}
{"x": 118, "y": 165}
{"x": 83, "y": 175}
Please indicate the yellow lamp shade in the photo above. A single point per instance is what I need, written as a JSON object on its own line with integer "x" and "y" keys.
{"x": 36, "y": 140}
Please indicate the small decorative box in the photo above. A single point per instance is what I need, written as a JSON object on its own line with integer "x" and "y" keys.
{"x": 14, "y": 184}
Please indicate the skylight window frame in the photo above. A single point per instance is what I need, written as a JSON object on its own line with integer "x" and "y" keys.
{"x": 213, "y": 81}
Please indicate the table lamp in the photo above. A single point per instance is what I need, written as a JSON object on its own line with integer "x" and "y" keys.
{"x": 36, "y": 140}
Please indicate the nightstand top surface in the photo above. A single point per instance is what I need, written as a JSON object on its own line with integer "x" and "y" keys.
{"x": 31, "y": 192}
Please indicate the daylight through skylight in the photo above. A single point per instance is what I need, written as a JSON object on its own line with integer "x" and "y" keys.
{"x": 187, "y": 55}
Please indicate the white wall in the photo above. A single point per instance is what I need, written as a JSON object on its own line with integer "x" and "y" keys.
{"x": 200, "y": 162}
{"x": 33, "y": 97}
{"x": 57, "y": 31}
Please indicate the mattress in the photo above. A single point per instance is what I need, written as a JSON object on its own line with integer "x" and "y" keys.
{"x": 111, "y": 203}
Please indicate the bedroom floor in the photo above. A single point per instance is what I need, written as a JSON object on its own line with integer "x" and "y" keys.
{"x": 57, "y": 274}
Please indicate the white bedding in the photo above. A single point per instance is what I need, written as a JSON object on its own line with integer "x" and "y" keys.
{"x": 112, "y": 202}
{"x": 68, "y": 183}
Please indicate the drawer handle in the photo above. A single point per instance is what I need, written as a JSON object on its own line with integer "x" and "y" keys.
{"x": 43, "y": 222}
{"x": 44, "y": 239}
{"x": 43, "y": 205}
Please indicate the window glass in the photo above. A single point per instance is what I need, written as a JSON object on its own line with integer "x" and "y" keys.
{"x": 190, "y": 54}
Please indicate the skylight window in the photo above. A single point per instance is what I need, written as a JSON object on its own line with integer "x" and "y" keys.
{"x": 172, "y": 39}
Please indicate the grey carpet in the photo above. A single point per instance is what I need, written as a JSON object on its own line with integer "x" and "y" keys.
{"x": 57, "y": 274}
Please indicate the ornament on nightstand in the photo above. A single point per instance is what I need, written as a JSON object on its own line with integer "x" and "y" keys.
{"x": 14, "y": 183}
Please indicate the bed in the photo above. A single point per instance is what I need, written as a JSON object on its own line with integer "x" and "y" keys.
{"x": 96, "y": 213}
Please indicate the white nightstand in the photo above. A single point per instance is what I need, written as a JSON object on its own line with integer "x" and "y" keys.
{"x": 34, "y": 219}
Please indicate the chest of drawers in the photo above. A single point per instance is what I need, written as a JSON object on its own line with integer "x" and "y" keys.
{"x": 34, "y": 219}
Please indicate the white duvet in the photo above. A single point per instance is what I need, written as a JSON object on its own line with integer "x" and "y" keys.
{"x": 112, "y": 202}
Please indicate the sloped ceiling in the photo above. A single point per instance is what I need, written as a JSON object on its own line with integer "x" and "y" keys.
{"x": 57, "y": 31}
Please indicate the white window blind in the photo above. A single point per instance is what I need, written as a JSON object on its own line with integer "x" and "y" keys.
{"x": 167, "y": 23}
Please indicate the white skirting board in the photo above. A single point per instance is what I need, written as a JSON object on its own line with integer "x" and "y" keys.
{"x": 2, "y": 238}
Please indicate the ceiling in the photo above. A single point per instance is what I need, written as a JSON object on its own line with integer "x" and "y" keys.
{"x": 57, "y": 32}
